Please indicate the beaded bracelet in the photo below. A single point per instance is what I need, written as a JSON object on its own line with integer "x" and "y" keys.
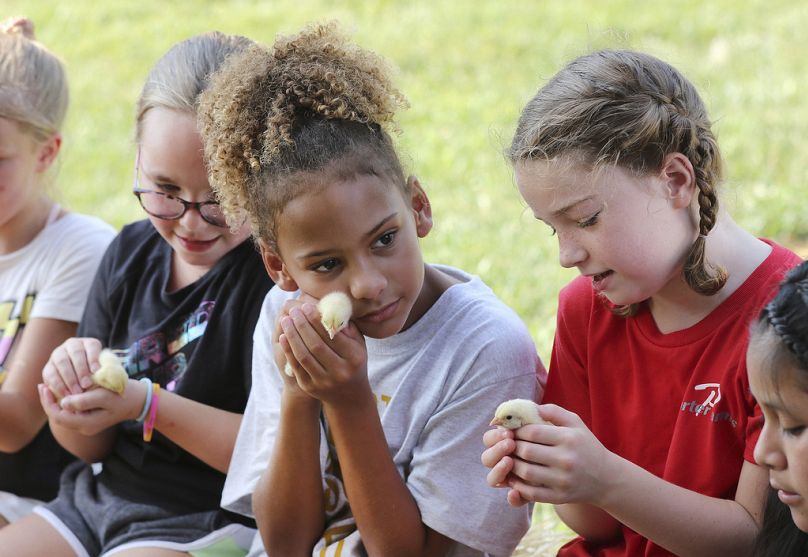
{"x": 147, "y": 403}
{"x": 148, "y": 425}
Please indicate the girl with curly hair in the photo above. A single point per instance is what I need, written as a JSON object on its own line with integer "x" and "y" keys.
{"x": 371, "y": 445}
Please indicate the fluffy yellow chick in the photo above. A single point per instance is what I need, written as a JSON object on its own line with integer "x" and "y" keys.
{"x": 111, "y": 375}
{"x": 335, "y": 312}
{"x": 513, "y": 414}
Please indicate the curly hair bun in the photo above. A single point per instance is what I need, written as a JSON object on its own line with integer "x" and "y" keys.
{"x": 311, "y": 99}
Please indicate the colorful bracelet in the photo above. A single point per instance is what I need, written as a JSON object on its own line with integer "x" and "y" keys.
{"x": 147, "y": 402}
{"x": 148, "y": 425}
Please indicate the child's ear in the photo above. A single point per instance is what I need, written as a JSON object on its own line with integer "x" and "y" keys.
{"x": 420, "y": 207}
{"x": 47, "y": 152}
{"x": 680, "y": 179}
{"x": 276, "y": 268}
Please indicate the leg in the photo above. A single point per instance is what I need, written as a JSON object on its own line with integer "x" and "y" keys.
{"x": 151, "y": 552}
{"x": 33, "y": 536}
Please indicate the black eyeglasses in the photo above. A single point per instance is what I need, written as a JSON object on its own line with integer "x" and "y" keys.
{"x": 170, "y": 207}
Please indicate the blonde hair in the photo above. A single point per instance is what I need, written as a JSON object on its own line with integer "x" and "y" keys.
{"x": 272, "y": 118}
{"x": 177, "y": 79}
{"x": 33, "y": 83}
{"x": 628, "y": 109}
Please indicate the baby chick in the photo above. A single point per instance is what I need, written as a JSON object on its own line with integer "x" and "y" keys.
{"x": 513, "y": 414}
{"x": 111, "y": 375}
{"x": 335, "y": 312}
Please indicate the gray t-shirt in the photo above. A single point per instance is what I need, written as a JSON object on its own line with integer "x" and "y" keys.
{"x": 437, "y": 385}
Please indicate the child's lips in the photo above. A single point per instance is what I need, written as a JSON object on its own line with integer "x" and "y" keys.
{"x": 381, "y": 314}
{"x": 193, "y": 244}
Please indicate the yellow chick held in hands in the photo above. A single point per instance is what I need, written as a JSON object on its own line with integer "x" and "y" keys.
{"x": 111, "y": 375}
{"x": 335, "y": 312}
{"x": 513, "y": 414}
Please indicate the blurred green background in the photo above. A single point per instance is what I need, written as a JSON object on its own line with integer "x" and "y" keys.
{"x": 467, "y": 69}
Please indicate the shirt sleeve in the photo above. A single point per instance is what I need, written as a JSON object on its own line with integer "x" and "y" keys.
{"x": 65, "y": 290}
{"x": 96, "y": 319}
{"x": 567, "y": 381}
{"x": 446, "y": 473}
{"x": 259, "y": 425}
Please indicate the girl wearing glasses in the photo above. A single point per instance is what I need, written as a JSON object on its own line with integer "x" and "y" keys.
{"x": 47, "y": 260}
{"x": 178, "y": 295}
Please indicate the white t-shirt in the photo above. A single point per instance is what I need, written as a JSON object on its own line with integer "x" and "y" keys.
{"x": 437, "y": 385}
{"x": 50, "y": 276}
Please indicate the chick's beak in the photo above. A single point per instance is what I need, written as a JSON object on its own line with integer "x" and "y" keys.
{"x": 496, "y": 421}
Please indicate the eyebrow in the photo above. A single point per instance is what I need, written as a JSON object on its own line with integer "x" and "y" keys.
{"x": 566, "y": 208}
{"x": 372, "y": 232}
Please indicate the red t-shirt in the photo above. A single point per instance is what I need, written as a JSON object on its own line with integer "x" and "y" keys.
{"x": 677, "y": 404}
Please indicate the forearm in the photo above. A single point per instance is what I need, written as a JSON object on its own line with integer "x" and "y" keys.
{"x": 288, "y": 501}
{"x": 89, "y": 448}
{"x": 22, "y": 418}
{"x": 192, "y": 425}
{"x": 683, "y": 521}
{"x": 386, "y": 514}
{"x": 589, "y": 522}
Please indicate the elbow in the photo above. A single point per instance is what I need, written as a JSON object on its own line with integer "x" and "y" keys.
{"x": 15, "y": 437}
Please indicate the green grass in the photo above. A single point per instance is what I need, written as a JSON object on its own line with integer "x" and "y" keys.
{"x": 467, "y": 68}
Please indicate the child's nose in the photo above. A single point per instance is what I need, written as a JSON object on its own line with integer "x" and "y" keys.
{"x": 367, "y": 282}
{"x": 767, "y": 450}
{"x": 570, "y": 252}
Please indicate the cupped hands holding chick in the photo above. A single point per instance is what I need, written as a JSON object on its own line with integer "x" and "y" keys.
{"x": 72, "y": 399}
{"x": 544, "y": 453}
{"x": 324, "y": 364}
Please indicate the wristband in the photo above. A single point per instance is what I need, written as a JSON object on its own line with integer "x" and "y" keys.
{"x": 147, "y": 402}
{"x": 148, "y": 425}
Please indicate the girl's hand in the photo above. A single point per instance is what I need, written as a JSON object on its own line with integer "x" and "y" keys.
{"x": 498, "y": 456}
{"x": 96, "y": 409}
{"x": 333, "y": 371}
{"x": 561, "y": 462}
{"x": 70, "y": 366}
{"x": 291, "y": 387}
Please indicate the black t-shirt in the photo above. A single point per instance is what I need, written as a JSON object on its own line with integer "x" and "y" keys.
{"x": 195, "y": 342}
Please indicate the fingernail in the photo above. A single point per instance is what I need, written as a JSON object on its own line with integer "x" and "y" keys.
{"x": 86, "y": 382}
{"x": 309, "y": 309}
{"x": 286, "y": 324}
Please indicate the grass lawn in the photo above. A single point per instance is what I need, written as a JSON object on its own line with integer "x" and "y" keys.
{"x": 467, "y": 69}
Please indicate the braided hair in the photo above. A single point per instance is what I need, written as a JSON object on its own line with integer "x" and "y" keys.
{"x": 785, "y": 321}
{"x": 630, "y": 109}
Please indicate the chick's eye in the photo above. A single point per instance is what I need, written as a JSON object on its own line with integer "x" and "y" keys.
{"x": 385, "y": 239}
{"x": 509, "y": 417}
{"x": 326, "y": 266}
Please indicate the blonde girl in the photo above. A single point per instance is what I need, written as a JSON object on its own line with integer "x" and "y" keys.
{"x": 653, "y": 426}
{"x": 370, "y": 446}
{"x": 47, "y": 260}
{"x": 178, "y": 296}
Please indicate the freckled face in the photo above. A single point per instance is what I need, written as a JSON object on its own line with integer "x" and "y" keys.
{"x": 619, "y": 229}
{"x": 360, "y": 237}
{"x": 171, "y": 162}
{"x": 783, "y": 443}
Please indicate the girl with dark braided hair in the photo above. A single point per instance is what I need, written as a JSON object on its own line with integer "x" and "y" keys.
{"x": 777, "y": 362}
{"x": 654, "y": 426}
{"x": 370, "y": 445}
